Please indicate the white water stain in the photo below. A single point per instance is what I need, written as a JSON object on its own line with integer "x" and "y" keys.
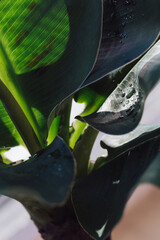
{"x": 116, "y": 182}
{"x": 101, "y": 230}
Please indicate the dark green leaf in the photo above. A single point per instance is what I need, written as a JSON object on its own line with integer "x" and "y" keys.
{"x": 116, "y": 145}
{"x": 99, "y": 198}
{"x": 46, "y": 177}
{"x": 127, "y": 32}
{"x": 152, "y": 174}
{"x": 122, "y": 110}
{"x": 143, "y": 131}
{"x": 94, "y": 95}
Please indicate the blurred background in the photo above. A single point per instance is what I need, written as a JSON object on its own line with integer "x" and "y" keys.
{"x": 15, "y": 223}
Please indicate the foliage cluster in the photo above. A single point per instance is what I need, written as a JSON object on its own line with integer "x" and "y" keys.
{"x": 103, "y": 53}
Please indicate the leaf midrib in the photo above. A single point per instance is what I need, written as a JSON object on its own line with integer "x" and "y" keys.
{"x": 9, "y": 79}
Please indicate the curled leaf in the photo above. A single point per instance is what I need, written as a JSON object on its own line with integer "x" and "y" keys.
{"x": 122, "y": 110}
{"x": 141, "y": 132}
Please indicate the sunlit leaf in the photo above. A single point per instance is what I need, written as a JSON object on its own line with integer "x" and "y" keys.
{"x": 9, "y": 134}
{"x": 19, "y": 120}
{"x": 46, "y": 52}
{"x": 33, "y": 33}
{"x": 90, "y": 98}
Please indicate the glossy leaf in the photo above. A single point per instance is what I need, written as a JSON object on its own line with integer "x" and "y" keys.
{"x": 142, "y": 131}
{"x": 116, "y": 145}
{"x": 127, "y": 32}
{"x": 99, "y": 198}
{"x": 122, "y": 110}
{"x": 95, "y": 94}
{"x": 40, "y": 42}
{"x": 46, "y": 177}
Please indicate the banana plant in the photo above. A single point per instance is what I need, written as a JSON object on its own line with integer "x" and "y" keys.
{"x": 104, "y": 54}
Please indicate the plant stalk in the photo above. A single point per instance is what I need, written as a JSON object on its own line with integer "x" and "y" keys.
{"x": 82, "y": 150}
{"x": 19, "y": 119}
{"x": 64, "y": 110}
{"x": 9, "y": 79}
{"x": 77, "y": 130}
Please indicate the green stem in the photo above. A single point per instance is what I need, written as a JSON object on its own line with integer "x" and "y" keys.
{"x": 82, "y": 150}
{"x": 64, "y": 111}
{"x": 53, "y": 130}
{"x": 9, "y": 78}
{"x": 19, "y": 119}
{"x": 76, "y": 131}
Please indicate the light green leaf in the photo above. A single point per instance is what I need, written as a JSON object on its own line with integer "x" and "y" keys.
{"x": 40, "y": 42}
{"x": 9, "y": 135}
{"x": 90, "y": 98}
{"x": 33, "y": 33}
{"x": 19, "y": 119}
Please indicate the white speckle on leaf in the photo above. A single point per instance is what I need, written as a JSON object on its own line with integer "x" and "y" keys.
{"x": 101, "y": 230}
{"x": 116, "y": 182}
